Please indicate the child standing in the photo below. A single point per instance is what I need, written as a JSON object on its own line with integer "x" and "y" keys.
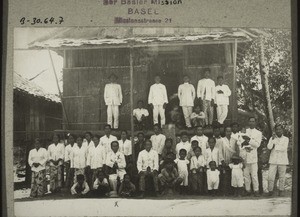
{"x": 182, "y": 165}
{"x": 213, "y": 178}
{"x": 237, "y": 178}
{"x": 127, "y": 188}
{"x": 197, "y": 169}
{"x": 37, "y": 161}
{"x": 113, "y": 99}
{"x": 101, "y": 186}
{"x": 80, "y": 188}
{"x": 197, "y": 117}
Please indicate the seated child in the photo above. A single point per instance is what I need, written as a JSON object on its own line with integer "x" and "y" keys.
{"x": 101, "y": 185}
{"x": 191, "y": 153}
{"x": 182, "y": 165}
{"x": 80, "y": 188}
{"x": 213, "y": 178}
{"x": 169, "y": 177}
{"x": 237, "y": 177}
{"x": 197, "y": 168}
{"x": 197, "y": 117}
{"x": 127, "y": 188}
{"x": 140, "y": 115}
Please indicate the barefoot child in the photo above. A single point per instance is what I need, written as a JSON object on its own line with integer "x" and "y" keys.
{"x": 213, "y": 178}
{"x": 237, "y": 178}
{"x": 127, "y": 188}
{"x": 197, "y": 168}
{"x": 101, "y": 185}
{"x": 197, "y": 117}
{"x": 182, "y": 165}
{"x": 80, "y": 188}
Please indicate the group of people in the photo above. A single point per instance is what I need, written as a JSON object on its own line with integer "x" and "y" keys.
{"x": 107, "y": 166}
{"x": 203, "y": 101}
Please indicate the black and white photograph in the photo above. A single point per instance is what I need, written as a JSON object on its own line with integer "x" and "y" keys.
{"x": 152, "y": 121}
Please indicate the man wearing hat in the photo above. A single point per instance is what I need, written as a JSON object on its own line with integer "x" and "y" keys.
{"x": 113, "y": 99}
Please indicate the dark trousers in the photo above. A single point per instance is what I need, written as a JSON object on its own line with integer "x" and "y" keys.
{"x": 225, "y": 182}
{"x": 197, "y": 182}
{"x": 142, "y": 183}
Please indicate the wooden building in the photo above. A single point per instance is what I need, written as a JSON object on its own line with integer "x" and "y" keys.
{"x": 136, "y": 55}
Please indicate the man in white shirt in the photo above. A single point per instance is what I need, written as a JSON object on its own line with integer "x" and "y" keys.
{"x": 113, "y": 99}
{"x": 78, "y": 157}
{"x": 213, "y": 153}
{"x": 201, "y": 138}
{"x": 147, "y": 165}
{"x": 107, "y": 139}
{"x": 184, "y": 144}
{"x": 158, "y": 100}
{"x": 68, "y": 151}
{"x": 158, "y": 139}
{"x": 222, "y": 100}
{"x": 115, "y": 161}
{"x": 252, "y": 141}
{"x": 278, "y": 144}
{"x": 206, "y": 91}
{"x": 186, "y": 95}
{"x": 140, "y": 115}
{"x": 37, "y": 161}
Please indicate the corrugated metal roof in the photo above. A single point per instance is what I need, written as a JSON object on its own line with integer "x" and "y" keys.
{"x": 97, "y": 36}
{"x": 30, "y": 87}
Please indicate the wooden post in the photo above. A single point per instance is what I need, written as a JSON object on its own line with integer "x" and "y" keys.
{"x": 131, "y": 50}
{"x": 234, "y": 92}
{"x": 265, "y": 85}
{"x": 60, "y": 94}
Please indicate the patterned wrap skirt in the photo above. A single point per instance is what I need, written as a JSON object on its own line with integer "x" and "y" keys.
{"x": 38, "y": 183}
{"x": 56, "y": 177}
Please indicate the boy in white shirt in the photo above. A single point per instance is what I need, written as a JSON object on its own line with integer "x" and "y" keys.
{"x": 186, "y": 95}
{"x": 213, "y": 178}
{"x": 37, "y": 161}
{"x": 197, "y": 168}
{"x": 222, "y": 99}
{"x": 158, "y": 100}
{"x": 107, "y": 139}
{"x": 56, "y": 153}
{"x": 184, "y": 144}
{"x": 201, "y": 138}
{"x": 140, "y": 115}
{"x": 182, "y": 166}
{"x": 80, "y": 188}
{"x": 147, "y": 165}
{"x": 101, "y": 185}
{"x": 206, "y": 91}
{"x": 113, "y": 99}
{"x": 213, "y": 153}
{"x": 197, "y": 117}
{"x": 158, "y": 139}
{"x": 237, "y": 178}
{"x": 278, "y": 144}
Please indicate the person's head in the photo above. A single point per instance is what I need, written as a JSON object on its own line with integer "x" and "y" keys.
{"x": 252, "y": 122}
{"x": 169, "y": 165}
{"x": 107, "y": 129}
{"x": 114, "y": 146}
{"x": 217, "y": 132}
{"x": 186, "y": 79}
{"x": 79, "y": 140}
{"x": 194, "y": 144}
{"x": 228, "y": 131}
{"x": 169, "y": 143}
{"x": 88, "y": 136}
{"x": 197, "y": 109}
{"x": 96, "y": 139}
{"x": 126, "y": 178}
{"x": 71, "y": 139}
{"x": 37, "y": 143}
{"x": 56, "y": 138}
{"x": 148, "y": 145}
{"x": 124, "y": 135}
{"x": 80, "y": 179}
{"x": 211, "y": 142}
{"x": 207, "y": 73}
{"x": 279, "y": 130}
{"x": 184, "y": 137}
{"x": 234, "y": 127}
{"x": 220, "y": 80}
{"x": 182, "y": 153}
{"x": 101, "y": 175}
{"x": 112, "y": 78}
{"x": 140, "y": 104}
{"x": 198, "y": 151}
{"x": 156, "y": 128}
{"x": 199, "y": 131}
{"x": 212, "y": 165}
{"x": 157, "y": 79}
{"x": 141, "y": 137}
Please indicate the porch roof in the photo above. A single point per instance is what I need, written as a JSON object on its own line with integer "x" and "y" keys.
{"x": 91, "y": 37}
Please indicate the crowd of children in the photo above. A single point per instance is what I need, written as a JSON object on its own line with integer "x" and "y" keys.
{"x": 107, "y": 167}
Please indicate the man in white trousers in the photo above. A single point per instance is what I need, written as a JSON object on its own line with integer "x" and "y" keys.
{"x": 113, "y": 99}
{"x": 206, "y": 91}
{"x": 186, "y": 95}
{"x": 222, "y": 99}
{"x": 158, "y": 100}
{"x": 252, "y": 140}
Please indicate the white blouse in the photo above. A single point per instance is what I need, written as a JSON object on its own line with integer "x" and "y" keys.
{"x": 56, "y": 152}
{"x": 38, "y": 156}
{"x": 125, "y": 147}
{"x": 96, "y": 156}
{"x": 78, "y": 157}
